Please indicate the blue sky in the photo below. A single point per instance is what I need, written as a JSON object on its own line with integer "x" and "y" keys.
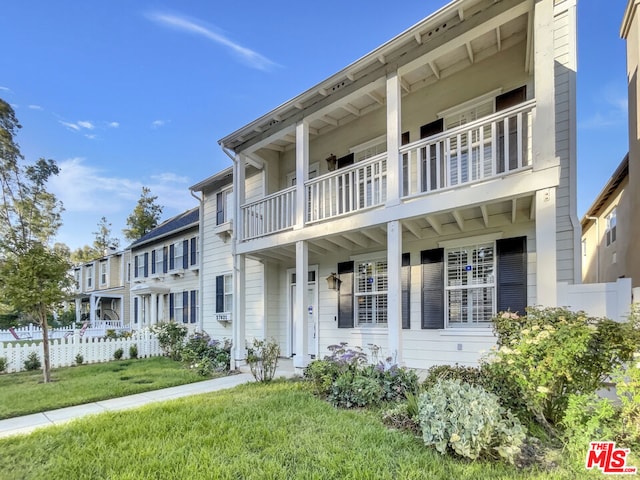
{"x": 124, "y": 94}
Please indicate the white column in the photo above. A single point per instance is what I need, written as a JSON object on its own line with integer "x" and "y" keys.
{"x": 302, "y": 171}
{"x": 238, "y": 196}
{"x": 238, "y": 314}
{"x": 394, "y": 292}
{"x": 78, "y": 305}
{"x": 300, "y": 314}
{"x": 153, "y": 310}
{"x": 394, "y": 163}
{"x": 93, "y": 300}
{"x": 546, "y": 265}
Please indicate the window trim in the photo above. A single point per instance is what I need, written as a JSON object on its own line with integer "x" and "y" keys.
{"x": 611, "y": 232}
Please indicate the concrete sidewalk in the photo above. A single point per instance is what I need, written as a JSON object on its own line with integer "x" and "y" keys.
{"x": 28, "y": 423}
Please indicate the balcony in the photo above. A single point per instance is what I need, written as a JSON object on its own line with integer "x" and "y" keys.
{"x": 490, "y": 147}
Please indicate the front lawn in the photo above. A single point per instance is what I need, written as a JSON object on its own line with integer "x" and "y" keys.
{"x": 276, "y": 431}
{"x": 23, "y": 393}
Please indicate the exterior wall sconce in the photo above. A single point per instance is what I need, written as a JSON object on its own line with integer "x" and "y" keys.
{"x": 331, "y": 162}
{"x": 333, "y": 282}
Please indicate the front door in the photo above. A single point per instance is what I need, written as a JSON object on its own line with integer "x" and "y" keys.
{"x": 311, "y": 312}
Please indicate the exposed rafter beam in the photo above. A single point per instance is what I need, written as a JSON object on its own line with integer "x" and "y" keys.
{"x": 274, "y": 147}
{"x": 498, "y": 38}
{"x": 435, "y": 224}
{"x": 414, "y": 228}
{"x": 532, "y": 208}
{"x": 459, "y": 220}
{"x": 317, "y": 249}
{"x": 514, "y": 210}
{"x": 461, "y": 14}
{"x": 328, "y": 246}
{"x": 469, "y": 51}
{"x": 376, "y": 97}
{"x": 435, "y": 69}
{"x": 351, "y": 76}
{"x": 330, "y": 121}
{"x": 405, "y": 85}
{"x": 375, "y": 235}
{"x": 290, "y": 138}
{"x": 299, "y": 106}
{"x": 382, "y": 59}
{"x": 357, "y": 238}
{"x": 341, "y": 242}
{"x": 351, "y": 109}
{"x": 485, "y": 215}
{"x": 323, "y": 92}
{"x": 418, "y": 37}
{"x": 258, "y": 129}
{"x": 256, "y": 161}
{"x": 528, "y": 54}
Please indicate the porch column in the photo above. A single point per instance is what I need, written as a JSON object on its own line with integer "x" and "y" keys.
{"x": 153, "y": 310}
{"x": 300, "y": 314}
{"x": 546, "y": 266}
{"x": 238, "y": 196}
{"x": 237, "y": 318}
{"x": 394, "y": 292}
{"x": 302, "y": 172}
{"x": 93, "y": 303}
{"x": 394, "y": 165}
{"x": 78, "y": 305}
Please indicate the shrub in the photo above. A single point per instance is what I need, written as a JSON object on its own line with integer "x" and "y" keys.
{"x": 628, "y": 388}
{"x": 133, "y": 351}
{"x": 321, "y": 374}
{"x": 471, "y": 375}
{"x": 395, "y": 381}
{"x": 4, "y": 363}
{"x": 355, "y": 390}
{"x": 469, "y": 421}
{"x": 171, "y": 337}
{"x": 79, "y": 359}
{"x": 553, "y": 353}
{"x": 206, "y": 355}
{"x": 32, "y": 362}
{"x": 262, "y": 357}
{"x": 399, "y": 416}
{"x": 118, "y": 354}
{"x": 345, "y": 357}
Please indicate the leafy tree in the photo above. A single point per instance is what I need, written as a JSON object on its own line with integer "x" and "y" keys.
{"x": 33, "y": 276}
{"x": 103, "y": 239}
{"x": 145, "y": 216}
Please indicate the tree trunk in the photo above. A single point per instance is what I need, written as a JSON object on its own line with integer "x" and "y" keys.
{"x": 46, "y": 363}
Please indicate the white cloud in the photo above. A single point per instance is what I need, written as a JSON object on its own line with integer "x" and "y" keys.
{"x": 91, "y": 136}
{"x": 69, "y": 125}
{"x": 86, "y": 124}
{"x": 247, "y": 56}
{"x": 169, "y": 177}
{"x": 5, "y": 89}
{"x": 35, "y": 107}
{"x": 609, "y": 108}
{"x": 158, "y": 123}
{"x": 113, "y": 125}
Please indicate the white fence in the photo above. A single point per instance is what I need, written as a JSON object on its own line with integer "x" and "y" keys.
{"x": 611, "y": 300}
{"x": 63, "y": 351}
{"x": 34, "y": 332}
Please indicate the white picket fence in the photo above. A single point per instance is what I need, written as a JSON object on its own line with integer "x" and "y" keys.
{"x": 34, "y": 332}
{"x": 63, "y": 351}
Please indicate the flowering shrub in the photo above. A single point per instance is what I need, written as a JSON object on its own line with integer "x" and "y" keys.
{"x": 355, "y": 390}
{"x": 553, "y": 353}
{"x": 171, "y": 338}
{"x": 396, "y": 382}
{"x": 206, "y": 355}
{"x": 262, "y": 357}
{"x": 469, "y": 421}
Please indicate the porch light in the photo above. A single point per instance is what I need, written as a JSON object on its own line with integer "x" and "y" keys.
{"x": 333, "y": 282}
{"x": 331, "y": 162}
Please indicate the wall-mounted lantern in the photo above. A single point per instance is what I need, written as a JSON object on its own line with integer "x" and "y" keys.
{"x": 333, "y": 282}
{"x": 331, "y": 162}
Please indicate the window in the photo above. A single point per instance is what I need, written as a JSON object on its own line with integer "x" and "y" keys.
{"x": 224, "y": 293}
{"x": 178, "y": 255}
{"x": 158, "y": 261}
{"x": 89, "y": 276}
{"x": 104, "y": 272}
{"x": 470, "y": 285}
{"x": 371, "y": 292}
{"x": 76, "y": 275}
{"x": 178, "y": 306}
{"x": 139, "y": 261}
{"x": 195, "y": 251}
{"x": 223, "y": 207}
{"x": 611, "y": 227}
{"x": 128, "y": 271}
{"x": 584, "y": 247}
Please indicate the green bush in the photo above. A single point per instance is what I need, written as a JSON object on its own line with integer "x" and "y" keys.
{"x": 400, "y": 417}
{"x": 469, "y": 421}
{"x": 262, "y": 357}
{"x": 118, "y": 354}
{"x": 355, "y": 390}
{"x": 553, "y": 353}
{"x": 206, "y": 355}
{"x": 395, "y": 382}
{"x": 171, "y": 337}
{"x": 4, "y": 363}
{"x": 628, "y": 389}
{"x": 133, "y": 351}
{"x": 32, "y": 362}
{"x": 79, "y": 359}
{"x": 321, "y": 374}
{"x": 471, "y": 375}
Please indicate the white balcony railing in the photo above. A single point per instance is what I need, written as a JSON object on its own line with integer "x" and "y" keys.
{"x": 271, "y": 214}
{"x": 347, "y": 190}
{"x": 489, "y": 147}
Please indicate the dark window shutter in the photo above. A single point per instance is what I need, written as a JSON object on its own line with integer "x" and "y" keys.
{"x": 219, "y": 208}
{"x": 220, "y": 294}
{"x": 135, "y": 266}
{"x": 193, "y": 306}
{"x": 194, "y": 251}
{"x": 345, "y": 161}
{"x": 172, "y": 310}
{"x": 153, "y": 261}
{"x": 185, "y": 254}
{"x": 511, "y": 98}
{"x": 433, "y": 128}
{"x": 432, "y": 288}
{"x": 185, "y": 307}
{"x": 172, "y": 256}
{"x": 146, "y": 264}
{"x": 512, "y": 274}
{"x": 405, "y": 275}
{"x": 165, "y": 259}
{"x": 135, "y": 309}
{"x": 345, "y": 295}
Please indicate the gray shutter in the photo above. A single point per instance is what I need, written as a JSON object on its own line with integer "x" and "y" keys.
{"x": 172, "y": 311}
{"x": 172, "y": 256}
{"x": 192, "y": 308}
{"x": 405, "y": 275}
{"x": 146, "y": 264}
{"x": 185, "y": 307}
{"x": 153, "y": 261}
{"x": 165, "y": 259}
{"x": 345, "y": 295}
{"x": 135, "y": 266}
{"x": 220, "y": 294}
{"x": 432, "y": 288}
{"x": 135, "y": 309}
{"x": 512, "y": 274}
{"x": 185, "y": 254}
{"x": 193, "y": 251}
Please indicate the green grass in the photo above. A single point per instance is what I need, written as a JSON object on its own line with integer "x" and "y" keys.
{"x": 23, "y": 393}
{"x": 276, "y": 431}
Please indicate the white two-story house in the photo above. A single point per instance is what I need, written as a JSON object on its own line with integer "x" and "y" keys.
{"x": 411, "y": 196}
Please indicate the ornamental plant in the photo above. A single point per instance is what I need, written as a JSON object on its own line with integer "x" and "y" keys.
{"x": 262, "y": 357}
{"x": 205, "y": 354}
{"x": 171, "y": 337}
{"x": 553, "y": 353}
{"x": 468, "y": 421}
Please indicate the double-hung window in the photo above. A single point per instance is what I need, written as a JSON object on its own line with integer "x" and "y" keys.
{"x": 223, "y": 207}
{"x": 470, "y": 286}
{"x": 90, "y": 276}
{"x": 371, "y": 285}
{"x": 611, "y": 227}
{"x": 224, "y": 293}
{"x": 104, "y": 272}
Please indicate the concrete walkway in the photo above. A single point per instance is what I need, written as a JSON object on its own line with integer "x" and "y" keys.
{"x": 28, "y": 423}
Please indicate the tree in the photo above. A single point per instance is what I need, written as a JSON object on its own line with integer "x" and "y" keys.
{"x": 33, "y": 275}
{"x": 103, "y": 241}
{"x": 145, "y": 216}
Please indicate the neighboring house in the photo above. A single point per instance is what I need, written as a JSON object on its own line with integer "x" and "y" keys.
{"x": 606, "y": 231}
{"x": 101, "y": 291}
{"x": 217, "y": 211}
{"x": 164, "y": 273}
{"x": 406, "y": 199}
